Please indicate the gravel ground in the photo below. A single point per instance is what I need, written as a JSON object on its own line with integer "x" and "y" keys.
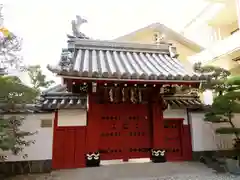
{"x": 136, "y": 171}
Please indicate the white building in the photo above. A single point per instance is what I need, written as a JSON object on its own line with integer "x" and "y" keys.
{"x": 217, "y": 29}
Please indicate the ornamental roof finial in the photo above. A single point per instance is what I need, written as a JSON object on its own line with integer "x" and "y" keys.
{"x": 76, "y": 25}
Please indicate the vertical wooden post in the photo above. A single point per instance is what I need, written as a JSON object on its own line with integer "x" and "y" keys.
{"x": 54, "y": 143}
{"x": 186, "y": 145}
{"x": 92, "y": 134}
{"x": 158, "y": 146}
{"x": 187, "y": 139}
{"x": 55, "y": 121}
{"x": 158, "y": 129}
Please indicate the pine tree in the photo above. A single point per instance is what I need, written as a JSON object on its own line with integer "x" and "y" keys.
{"x": 37, "y": 78}
{"x": 13, "y": 97}
{"x": 226, "y": 103}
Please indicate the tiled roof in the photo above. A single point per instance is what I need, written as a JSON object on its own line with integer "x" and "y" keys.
{"x": 63, "y": 99}
{"x": 55, "y": 89}
{"x": 74, "y": 102}
{"x": 53, "y": 98}
{"x": 183, "y": 101}
{"x": 57, "y": 97}
{"x": 123, "y": 61}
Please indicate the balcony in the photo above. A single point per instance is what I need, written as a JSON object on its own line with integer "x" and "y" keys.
{"x": 227, "y": 46}
{"x": 226, "y": 15}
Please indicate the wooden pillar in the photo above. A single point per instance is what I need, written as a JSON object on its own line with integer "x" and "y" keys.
{"x": 157, "y": 118}
{"x": 55, "y": 121}
{"x": 55, "y": 162}
{"x": 55, "y": 126}
{"x": 158, "y": 127}
{"x": 187, "y": 138}
{"x": 186, "y": 143}
{"x": 93, "y": 126}
{"x": 158, "y": 146}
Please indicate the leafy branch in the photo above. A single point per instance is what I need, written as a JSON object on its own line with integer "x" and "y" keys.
{"x": 227, "y": 101}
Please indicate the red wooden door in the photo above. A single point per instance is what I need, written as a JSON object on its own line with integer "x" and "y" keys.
{"x": 137, "y": 131}
{"x": 173, "y": 139}
{"x": 68, "y": 147}
{"x": 58, "y": 153}
{"x": 80, "y": 142}
{"x": 124, "y": 131}
{"x": 111, "y": 134}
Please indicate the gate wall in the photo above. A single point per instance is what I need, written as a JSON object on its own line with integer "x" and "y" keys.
{"x": 101, "y": 137}
{"x": 71, "y": 143}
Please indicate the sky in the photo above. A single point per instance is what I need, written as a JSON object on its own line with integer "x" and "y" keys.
{"x": 43, "y": 25}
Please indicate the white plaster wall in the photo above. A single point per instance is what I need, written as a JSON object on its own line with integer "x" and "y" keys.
{"x": 42, "y": 149}
{"x": 204, "y": 137}
{"x": 203, "y": 133}
{"x": 176, "y": 113}
{"x": 74, "y": 117}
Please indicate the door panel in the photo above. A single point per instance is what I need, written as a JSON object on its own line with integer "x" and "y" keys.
{"x": 111, "y": 140}
{"x": 137, "y": 134}
{"x": 125, "y": 131}
{"x": 58, "y": 154}
{"x": 80, "y": 140}
{"x": 172, "y": 139}
{"x": 69, "y": 147}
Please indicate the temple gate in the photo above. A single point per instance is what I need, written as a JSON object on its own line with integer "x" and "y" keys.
{"x": 126, "y": 87}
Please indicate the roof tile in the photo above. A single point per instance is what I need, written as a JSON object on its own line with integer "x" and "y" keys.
{"x": 113, "y": 60}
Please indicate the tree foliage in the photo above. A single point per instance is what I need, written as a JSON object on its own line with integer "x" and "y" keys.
{"x": 227, "y": 101}
{"x": 10, "y": 47}
{"x": 38, "y": 79}
{"x": 217, "y": 82}
{"x": 13, "y": 95}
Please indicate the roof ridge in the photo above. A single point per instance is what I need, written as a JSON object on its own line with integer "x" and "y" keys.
{"x": 56, "y": 88}
{"x": 101, "y": 44}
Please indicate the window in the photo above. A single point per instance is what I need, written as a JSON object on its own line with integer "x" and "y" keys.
{"x": 236, "y": 30}
{"x": 46, "y": 123}
{"x": 158, "y": 37}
